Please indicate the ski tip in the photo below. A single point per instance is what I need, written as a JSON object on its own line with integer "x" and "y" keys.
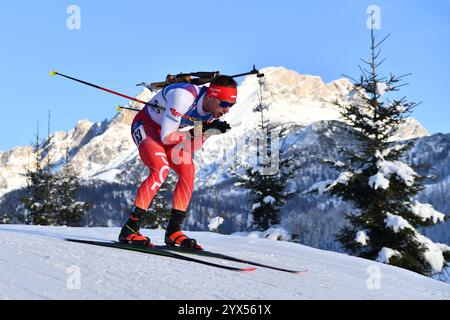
{"x": 119, "y": 108}
{"x": 300, "y": 272}
{"x": 247, "y": 269}
{"x": 52, "y": 73}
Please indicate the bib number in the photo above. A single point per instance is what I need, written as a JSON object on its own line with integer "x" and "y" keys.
{"x": 139, "y": 135}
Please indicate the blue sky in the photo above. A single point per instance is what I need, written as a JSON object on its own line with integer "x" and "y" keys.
{"x": 122, "y": 43}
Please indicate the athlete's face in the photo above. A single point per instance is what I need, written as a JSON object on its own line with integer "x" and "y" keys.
{"x": 212, "y": 105}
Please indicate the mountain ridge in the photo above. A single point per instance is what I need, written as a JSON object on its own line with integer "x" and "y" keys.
{"x": 94, "y": 147}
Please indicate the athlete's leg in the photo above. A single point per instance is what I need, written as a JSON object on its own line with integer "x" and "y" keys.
{"x": 146, "y": 136}
{"x": 182, "y": 163}
{"x": 154, "y": 157}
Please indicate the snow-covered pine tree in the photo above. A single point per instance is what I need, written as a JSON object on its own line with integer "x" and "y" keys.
{"x": 386, "y": 217}
{"x": 68, "y": 210}
{"x": 268, "y": 190}
{"x": 38, "y": 202}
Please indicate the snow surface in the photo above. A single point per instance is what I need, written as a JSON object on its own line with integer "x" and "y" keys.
{"x": 35, "y": 263}
{"x": 273, "y": 233}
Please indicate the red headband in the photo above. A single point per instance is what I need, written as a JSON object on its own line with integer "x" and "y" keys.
{"x": 222, "y": 93}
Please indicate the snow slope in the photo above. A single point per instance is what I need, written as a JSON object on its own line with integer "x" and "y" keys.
{"x": 35, "y": 263}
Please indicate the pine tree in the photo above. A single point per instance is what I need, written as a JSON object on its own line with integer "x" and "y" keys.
{"x": 268, "y": 197}
{"x": 267, "y": 189}
{"x": 69, "y": 212}
{"x": 39, "y": 201}
{"x": 51, "y": 197}
{"x": 383, "y": 225}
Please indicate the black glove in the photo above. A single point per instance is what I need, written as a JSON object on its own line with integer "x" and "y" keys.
{"x": 222, "y": 126}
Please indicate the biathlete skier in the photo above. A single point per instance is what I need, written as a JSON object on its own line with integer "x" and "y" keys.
{"x": 163, "y": 144}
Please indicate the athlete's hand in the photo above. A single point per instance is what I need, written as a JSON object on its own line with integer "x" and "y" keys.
{"x": 221, "y": 126}
{"x": 210, "y": 129}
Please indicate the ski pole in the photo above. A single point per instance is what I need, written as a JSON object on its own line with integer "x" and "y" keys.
{"x": 119, "y": 108}
{"x": 53, "y": 73}
{"x": 158, "y": 107}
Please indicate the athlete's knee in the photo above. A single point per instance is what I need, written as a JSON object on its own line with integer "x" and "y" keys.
{"x": 187, "y": 172}
{"x": 158, "y": 175}
{"x": 161, "y": 173}
{"x": 190, "y": 169}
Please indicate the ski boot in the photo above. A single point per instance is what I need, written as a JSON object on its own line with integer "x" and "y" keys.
{"x": 174, "y": 236}
{"x": 130, "y": 231}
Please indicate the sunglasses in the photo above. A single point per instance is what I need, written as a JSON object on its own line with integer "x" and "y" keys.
{"x": 226, "y": 104}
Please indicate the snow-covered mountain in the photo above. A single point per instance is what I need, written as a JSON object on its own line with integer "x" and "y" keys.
{"x": 38, "y": 264}
{"x": 108, "y": 162}
{"x": 99, "y": 150}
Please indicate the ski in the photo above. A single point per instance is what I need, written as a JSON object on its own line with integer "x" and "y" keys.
{"x": 226, "y": 257}
{"x": 158, "y": 251}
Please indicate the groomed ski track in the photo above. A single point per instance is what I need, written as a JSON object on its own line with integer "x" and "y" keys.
{"x": 36, "y": 263}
